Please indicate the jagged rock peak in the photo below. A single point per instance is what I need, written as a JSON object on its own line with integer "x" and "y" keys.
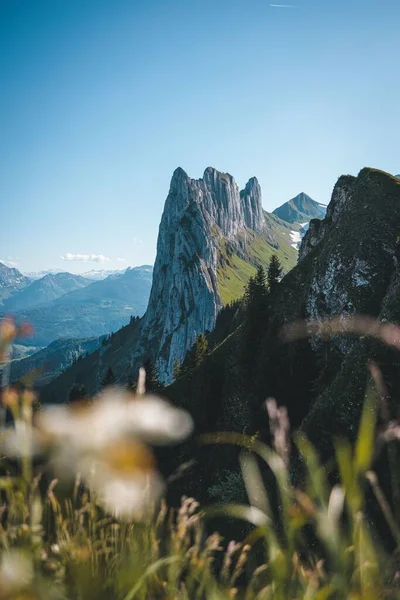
{"x": 212, "y": 174}
{"x": 252, "y": 204}
{"x": 341, "y": 196}
{"x": 217, "y": 197}
{"x": 178, "y": 175}
{"x": 184, "y": 299}
{"x": 252, "y": 187}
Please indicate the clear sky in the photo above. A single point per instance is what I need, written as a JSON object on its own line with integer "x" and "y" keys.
{"x": 100, "y": 100}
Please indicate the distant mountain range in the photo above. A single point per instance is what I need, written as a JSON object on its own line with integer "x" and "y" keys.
{"x": 20, "y": 352}
{"x": 11, "y": 282}
{"x": 93, "y": 274}
{"x": 98, "y": 274}
{"x": 44, "y": 290}
{"x": 39, "y": 274}
{"x": 63, "y": 305}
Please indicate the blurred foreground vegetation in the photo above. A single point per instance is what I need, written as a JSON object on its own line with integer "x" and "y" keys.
{"x": 83, "y": 517}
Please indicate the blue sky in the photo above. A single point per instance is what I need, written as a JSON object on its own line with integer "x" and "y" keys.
{"x": 100, "y": 100}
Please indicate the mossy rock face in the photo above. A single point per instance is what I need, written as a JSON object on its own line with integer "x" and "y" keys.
{"x": 349, "y": 270}
{"x": 352, "y": 270}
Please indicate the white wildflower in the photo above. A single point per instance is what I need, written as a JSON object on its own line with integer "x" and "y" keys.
{"x": 84, "y": 427}
{"x": 107, "y": 443}
{"x": 129, "y": 497}
{"x": 157, "y": 422}
{"x": 124, "y": 479}
{"x": 20, "y": 441}
{"x": 114, "y": 414}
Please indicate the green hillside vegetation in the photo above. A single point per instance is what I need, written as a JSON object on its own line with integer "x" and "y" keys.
{"x": 92, "y": 369}
{"x": 47, "y": 363}
{"x": 236, "y": 267}
{"x": 232, "y": 274}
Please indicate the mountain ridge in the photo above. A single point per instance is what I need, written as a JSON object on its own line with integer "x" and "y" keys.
{"x": 44, "y": 290}
{"x": 11, "y": 282}
{"x": 92, "y": 310}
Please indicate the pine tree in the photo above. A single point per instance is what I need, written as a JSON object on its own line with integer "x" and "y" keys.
{"x": 249, "y": 292}
{"x": 256, "y": 295}
{"x": 274, "y": 273}
{"x": 260, "y": 280}
{"x": 195, "y": 356}
{"x": 109, "y": 378}
{"x": 187, "y": 363}
{"x": 256, "y": 317}
{"x": 177, "y": 371}
{"x": 200, "y": 349}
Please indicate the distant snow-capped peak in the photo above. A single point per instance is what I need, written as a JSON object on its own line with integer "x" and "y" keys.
{"x": 40, "y": 274}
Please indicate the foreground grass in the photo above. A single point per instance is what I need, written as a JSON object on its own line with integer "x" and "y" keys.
{"x": 61, "y": 544}
{"x": 64, "y": 539}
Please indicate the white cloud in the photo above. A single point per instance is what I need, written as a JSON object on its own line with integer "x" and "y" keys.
{"x": 121, "y": 259}
{"x": 9, "y": 263}
{"x": 98, "y": 258}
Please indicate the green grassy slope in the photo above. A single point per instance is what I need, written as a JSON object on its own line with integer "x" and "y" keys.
{"x": 237, "y": 266}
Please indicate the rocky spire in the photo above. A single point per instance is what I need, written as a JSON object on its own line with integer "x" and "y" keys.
{"x": 184, "y": 299}
{"x": 252, "y": 205}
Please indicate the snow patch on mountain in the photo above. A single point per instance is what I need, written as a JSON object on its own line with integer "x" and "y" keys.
{"x": 295, "y": 236}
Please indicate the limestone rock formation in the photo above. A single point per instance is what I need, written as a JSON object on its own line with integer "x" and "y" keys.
{"x": 185, "y": 299}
